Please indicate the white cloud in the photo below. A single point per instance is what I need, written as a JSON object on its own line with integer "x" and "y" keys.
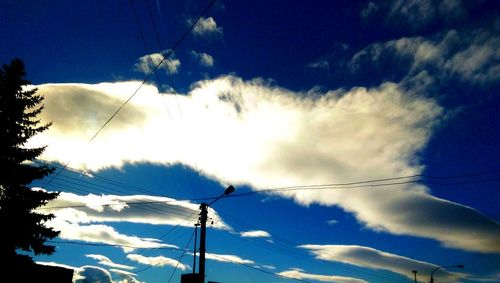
{"x": 50, "y": 263}
{"x": 104, "y": 260}
{"x": 371, "y": 258}
{"x": 278, "y": 138}
{"x": 332, "y": 222}
{"x": 228, "y": 258}
{"x": 204, "y": 59}
{"x": 319, "y": 64}
{"x": 255, "y": 234}
{"x": 300, "y": 274}
{"x": 103, "y": 234}
{"x": 369, "y": 9}
{"x": 157, "y": 261}
{"x": 420, "y": 13}
{"x": 118, "y": 271}
{"x": 415, "y": 12}
{"x": 124, "y": 276}
{"x": 133, "y": 208}
{"x": 471, "y": 56}
{"x": 96, "y": 274}
{"x": 148, "y": 62}
{"x": 89, "y": 273}
{"x": 207, "y": 26}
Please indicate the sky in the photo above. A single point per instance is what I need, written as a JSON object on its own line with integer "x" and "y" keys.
{"x": 361, "y": 137}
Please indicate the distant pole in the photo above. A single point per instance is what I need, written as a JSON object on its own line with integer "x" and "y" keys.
{"x": 203, "y": 234}
{"x": 439, "y": 267}
{"x": 195, "y": 240}
{"x": 415, "y": 273}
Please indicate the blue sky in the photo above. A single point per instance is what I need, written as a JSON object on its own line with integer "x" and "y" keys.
{"x": 267, "y": 95}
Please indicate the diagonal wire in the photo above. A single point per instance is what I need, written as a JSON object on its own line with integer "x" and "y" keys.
{"x": 146, "y": 78}
{"x": 184, "y": 253}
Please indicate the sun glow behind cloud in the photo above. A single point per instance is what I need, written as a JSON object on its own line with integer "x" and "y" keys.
{"x": 252, "y": 132}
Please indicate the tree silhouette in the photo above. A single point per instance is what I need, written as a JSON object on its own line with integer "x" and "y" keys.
{"x": 23, "y": 228}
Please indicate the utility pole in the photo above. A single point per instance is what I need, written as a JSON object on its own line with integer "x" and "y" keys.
{"x": 195, "y": 241}
{"x": 439, "y": 267}
{"x": 203, "y": 235}
{"x": 200, "y": 276}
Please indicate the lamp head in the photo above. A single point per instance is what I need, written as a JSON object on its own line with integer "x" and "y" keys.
{"x": 229, "y": 190}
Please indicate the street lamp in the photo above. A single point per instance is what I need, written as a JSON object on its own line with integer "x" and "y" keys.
{"x": 415, "y": 273}
{"x": 203, "y": 229}
{"x": 439, "y": 267}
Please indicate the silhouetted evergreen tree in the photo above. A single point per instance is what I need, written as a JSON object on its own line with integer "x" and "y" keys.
{"x": 23, "y": 229}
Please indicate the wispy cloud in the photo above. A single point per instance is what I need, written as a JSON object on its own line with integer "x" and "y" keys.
{"x": 103, "y": 234}
{"x": 319, "y": 64}
{"x": 90, "y": 273}
{"x": 50, "y": 263}
{"x": 148, "y": 62}
{"x": 228, "y": 258}
{"x": 255, "y": 234}
{"x": 123, "y": 272}
{"x": 204, "y": 59}
{"x": 207, "y": 27}
{"x": 420, "y": 13}
{"x": 124, "y": 276}
{"x": 300, "y": 274}
{"x": 281, "y": 138}
{"x": 369, "y": 9}
{"x": 157, "y": 261}
{"x": 332, "y": 222}
{"x": 371, "y": 258}
{"x": 133, "y": 208}
{"x": 104, "y": 260}
{"x": 468, "y": 55}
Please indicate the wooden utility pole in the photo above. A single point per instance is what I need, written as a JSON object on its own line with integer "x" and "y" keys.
{"x": 203, "y": 235}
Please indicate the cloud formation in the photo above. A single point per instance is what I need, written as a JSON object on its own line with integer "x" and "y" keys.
{"x": 228, "y": 258}
{"x": 103, "y": 234}
{"x": 73, "y": 214}
{"x": 157, "y": 261}
{"x": 420, "y": 13}
{"x": 204, "y": 59}
{"x": 255, "y": 234}
{"x": 300, "y": 274}
{"x": 90, "y": 273}
{"x": 371, "y": 258}
{"x": 207, "y": 27}
{"x": 132, "y": 208}
{"x": 124, "y": 276}
{"x": 148, "y": 62}
{"x": 104, "y": 260}
{"x": 332, "y": 222}
{"x": 280, "y": 138}
{"x": 471, "y": 56}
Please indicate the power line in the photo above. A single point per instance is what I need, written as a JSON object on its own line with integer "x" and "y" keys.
{"x": 170, "y": 51}
{"x": 333, "y": 186}
{"x": 179, "y": 261}
{"x": 260, "y": 269}
{"x": 162, "y": 237}
{"x": 110, "y": 245}
{"x": 146, "y": 78}
{"x": 168, "y": 73}
{"x": 279, "y": 244}
{"x": 97, "y": 177}
{"x": 368, "y": 185}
